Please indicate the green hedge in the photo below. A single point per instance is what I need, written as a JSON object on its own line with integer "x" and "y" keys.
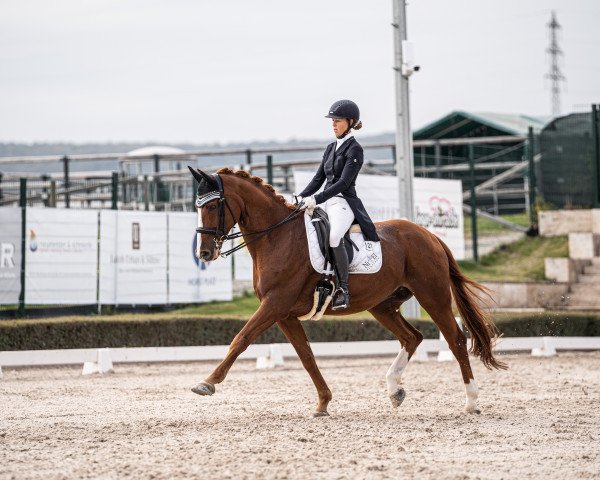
{"x": 549, "y": 324}
{"x": 48, "y": 334}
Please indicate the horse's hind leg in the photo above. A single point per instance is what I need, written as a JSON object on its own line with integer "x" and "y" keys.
{"x": 387, "y": 313}
{"x": 293, "y": 330}
{"x": 437, "y": 301}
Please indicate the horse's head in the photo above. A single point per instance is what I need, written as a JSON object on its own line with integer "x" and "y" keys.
{"x": 215, "y": 219}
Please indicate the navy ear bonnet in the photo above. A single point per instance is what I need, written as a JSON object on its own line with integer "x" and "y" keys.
{"x": 210, "y": 187}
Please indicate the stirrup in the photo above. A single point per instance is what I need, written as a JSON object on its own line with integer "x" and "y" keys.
{"x": 345, "y": 302}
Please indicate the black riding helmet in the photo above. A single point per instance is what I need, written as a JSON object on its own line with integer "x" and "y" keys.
{"x": 344, "y": 109}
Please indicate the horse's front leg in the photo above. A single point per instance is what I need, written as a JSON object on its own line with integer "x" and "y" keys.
{"x": 293, "y": 330}
{"x": 262, "y": 319}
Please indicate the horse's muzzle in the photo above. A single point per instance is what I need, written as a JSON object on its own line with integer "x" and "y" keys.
{"x": 208, "y": 255}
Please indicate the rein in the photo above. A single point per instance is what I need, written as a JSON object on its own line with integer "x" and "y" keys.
{"x": 219, "y": 231}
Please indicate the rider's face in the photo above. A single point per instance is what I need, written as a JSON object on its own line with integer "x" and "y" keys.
{"x": 340, "y": 125}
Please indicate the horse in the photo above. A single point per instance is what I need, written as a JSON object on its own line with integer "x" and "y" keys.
{"x": 415, "y": 262}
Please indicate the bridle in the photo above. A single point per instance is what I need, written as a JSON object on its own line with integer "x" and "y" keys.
{"x": 220, "y": 236}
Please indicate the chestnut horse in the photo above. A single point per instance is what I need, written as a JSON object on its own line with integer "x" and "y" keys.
{"x": 414, "y": 262}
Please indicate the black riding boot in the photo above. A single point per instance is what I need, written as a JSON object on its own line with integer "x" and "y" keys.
{"x": 342, "y": 296}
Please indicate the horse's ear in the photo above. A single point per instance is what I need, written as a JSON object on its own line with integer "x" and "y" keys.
{"x": 197, "y": 174}
{"x": 209, "y": 179}
{"x": 200, "y": 176}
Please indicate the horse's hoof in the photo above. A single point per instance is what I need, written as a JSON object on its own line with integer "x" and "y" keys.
{"x": 473, "y": 410}
{"x": 320, "y": 414}
{"x": 204, "y": 388}
{"x": 398, "y": 397}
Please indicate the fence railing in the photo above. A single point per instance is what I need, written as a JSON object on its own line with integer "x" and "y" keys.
{"x": 498, "y": 174}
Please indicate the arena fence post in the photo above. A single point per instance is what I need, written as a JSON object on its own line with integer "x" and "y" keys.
{"x": 66, "y": 180}
{"x": 114, "y": 193}
{"x": 473, "y": 202}
{"x": 146, "y": 194}
{"x": 270, "y": 169}
{"x": 23, "y": 205}
{"x": 248, "y": 159}
{"x": 438, "y": 159}
{"x": 286, "y": 177}
{"x": 532, "y": 180}
{"x": 52, "y": 199}
{"x": 596, "y": 158}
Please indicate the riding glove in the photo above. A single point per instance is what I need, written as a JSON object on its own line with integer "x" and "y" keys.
{"x": 310, "y": 203}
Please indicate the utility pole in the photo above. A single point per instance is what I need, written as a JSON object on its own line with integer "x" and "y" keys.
{"x": 403, "y": 68}
{"x": 555, "y": 75}
{"x": 404, "y": 150}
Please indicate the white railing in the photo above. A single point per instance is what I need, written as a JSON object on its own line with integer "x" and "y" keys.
{"x": 267, "y": 355}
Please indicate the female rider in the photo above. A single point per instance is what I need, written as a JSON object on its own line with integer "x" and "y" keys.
{"x": 341, "y": 163}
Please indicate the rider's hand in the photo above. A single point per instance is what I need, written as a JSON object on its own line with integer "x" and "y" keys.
{"x": 310, "y": 203}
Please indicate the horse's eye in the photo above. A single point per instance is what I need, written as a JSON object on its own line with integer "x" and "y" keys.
{"x": 211, "y": 207}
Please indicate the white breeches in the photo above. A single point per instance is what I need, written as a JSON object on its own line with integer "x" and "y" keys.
{"x": 340, "y": 218}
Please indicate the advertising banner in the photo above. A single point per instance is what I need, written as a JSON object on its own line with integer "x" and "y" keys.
{"x": 62, "y": 256}
{"x": 10, "y": 255}
{"x": 133, "y": 257}
{"x": 437, "y": 204}
{"x": 190, "y": 279}
{"x": 438, "y": 208}
{"x": 242, "y": 261}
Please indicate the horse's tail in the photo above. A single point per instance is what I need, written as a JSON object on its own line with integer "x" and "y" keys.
{"x": 480, "y": 325}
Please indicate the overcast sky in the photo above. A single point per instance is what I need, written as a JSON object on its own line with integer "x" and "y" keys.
{"x": 207, "y": 71}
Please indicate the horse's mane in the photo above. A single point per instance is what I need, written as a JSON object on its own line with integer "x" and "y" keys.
{"x": 257, "y": 181}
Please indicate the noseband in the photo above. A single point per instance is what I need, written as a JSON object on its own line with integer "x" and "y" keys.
{"x": 220, "y": 236}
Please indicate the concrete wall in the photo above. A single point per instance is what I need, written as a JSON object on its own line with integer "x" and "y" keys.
{"x": 565, "y": 270}
{"x": 584, "y": 245}
{"x": 553, "y": 223}
{"x": 527, "y": 295}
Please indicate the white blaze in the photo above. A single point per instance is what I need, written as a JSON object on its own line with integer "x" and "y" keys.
{"x": 394, "y": 374}
{"x": 198, "y": 234}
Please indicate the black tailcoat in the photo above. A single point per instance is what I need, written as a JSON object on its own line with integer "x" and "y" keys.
{"x": 340, "y": 168}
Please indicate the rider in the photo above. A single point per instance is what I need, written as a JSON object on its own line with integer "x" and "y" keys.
{"x": 341, "y": 163}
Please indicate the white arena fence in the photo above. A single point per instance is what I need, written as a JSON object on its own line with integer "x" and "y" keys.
{"x": 105, "y": 257}
{"x": 272, "y": 355}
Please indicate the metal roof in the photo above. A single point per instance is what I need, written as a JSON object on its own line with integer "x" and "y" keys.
{"x": 154, "y": 150}
{"x": 461, "y": 124}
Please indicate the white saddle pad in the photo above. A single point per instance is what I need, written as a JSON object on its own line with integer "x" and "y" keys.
{"x": 368, "y": 259}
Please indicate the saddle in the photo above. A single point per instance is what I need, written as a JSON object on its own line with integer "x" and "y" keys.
{"x": 327, "y": 285}
{"x": 320, "y": 220}
{"x": 364, "y": 257}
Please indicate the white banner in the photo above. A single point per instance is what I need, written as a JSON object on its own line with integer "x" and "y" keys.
{"x": 133, "y": 257}
{"x": 438, "y": 208}
{"x": 10, "y": 255}
{"x": 242, "y": 260}
{"x": 62, "y": 256}
{"x": 437, "y": 204}
{"x": 191, "y": 280}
